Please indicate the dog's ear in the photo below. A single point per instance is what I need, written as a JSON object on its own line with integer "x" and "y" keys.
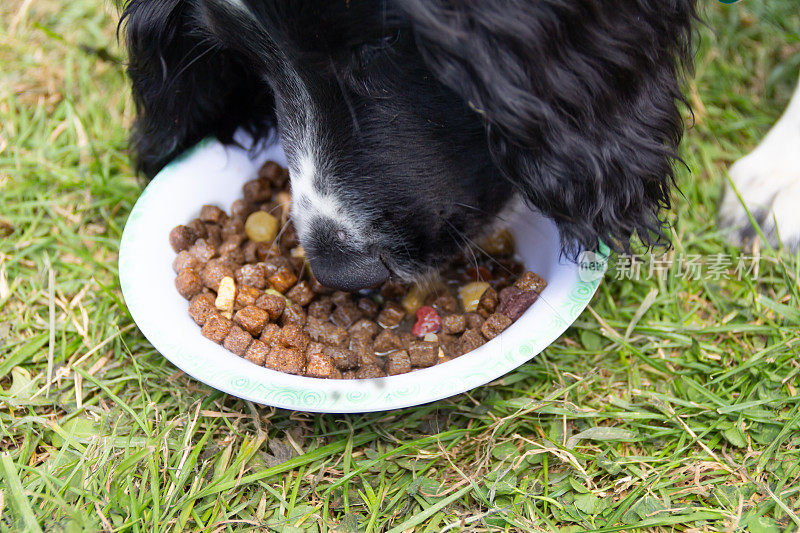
{"x": 580, "y": 100}
{"x": 185, "y": 85}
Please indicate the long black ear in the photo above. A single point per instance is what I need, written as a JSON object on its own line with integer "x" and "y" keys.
{"x": 580, "y": 100}
{"x": 185, "y": 85}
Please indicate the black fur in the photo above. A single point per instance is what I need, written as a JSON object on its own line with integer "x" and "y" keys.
{"x": 431, "y": 114}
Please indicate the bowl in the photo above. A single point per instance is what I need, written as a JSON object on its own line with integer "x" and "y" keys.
{"x": 211, "y": 173}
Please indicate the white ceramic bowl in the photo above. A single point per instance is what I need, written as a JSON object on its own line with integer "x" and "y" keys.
{"x": 211, "y": 173}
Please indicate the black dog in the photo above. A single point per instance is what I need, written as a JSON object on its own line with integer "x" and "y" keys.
{"x": 409, "y": 124}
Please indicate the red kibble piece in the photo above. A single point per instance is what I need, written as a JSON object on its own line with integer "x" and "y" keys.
{"x": 428, "y": 321}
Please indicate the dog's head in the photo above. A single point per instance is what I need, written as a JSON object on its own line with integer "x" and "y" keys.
{"x": 409, "y": 124}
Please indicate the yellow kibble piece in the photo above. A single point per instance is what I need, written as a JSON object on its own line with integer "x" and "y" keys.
{"x": 261, "y": 227}
{"x": 226, "y": 295}
{"x": 470, "y": 294}
{"x": 413, "y": 299}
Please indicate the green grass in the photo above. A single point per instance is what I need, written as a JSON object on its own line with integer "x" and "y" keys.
{"x": 671, "y": 404}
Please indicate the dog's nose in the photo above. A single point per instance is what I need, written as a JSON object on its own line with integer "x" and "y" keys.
{"x": 340, "y": 265}
{"x": 349, "y": 272}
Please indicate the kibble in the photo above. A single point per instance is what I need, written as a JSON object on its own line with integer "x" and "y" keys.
{"x": 250, "y": 290}
{"x": 261, "y": 227}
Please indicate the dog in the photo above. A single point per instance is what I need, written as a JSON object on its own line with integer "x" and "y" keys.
{"x": 768, "y": 181}
{"x": 409, "y": 125}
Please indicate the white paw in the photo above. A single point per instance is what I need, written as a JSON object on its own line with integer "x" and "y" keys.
{"x": 768, "y": 180}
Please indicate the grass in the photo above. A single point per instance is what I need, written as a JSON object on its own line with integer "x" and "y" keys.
{"x": 671, "y": 404}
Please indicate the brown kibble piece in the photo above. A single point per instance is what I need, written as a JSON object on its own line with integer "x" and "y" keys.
{"x": 398, "y": 363}
{"x": 488, "y": 302}
{"x": 181, "y": 238}
{"x": 345, "y": 315}
{"x": 391, "y": 315}
{"x": 369, "y": 372}
{"x": 252, "y": 319}
{"x": 423, "y": 353}
{"x": 318, "y": 365}
{"x": 202, "y": 250}
{"x": 212, "y": 214}
{"x": 283, "y": 279}
{"x": 246, "y": 295}
{"x": 293, "y": 336}
{"x": 514, "y": 302}
{"x": 471, "y": 339}
{"x": 199, "y": 229}
{"x": 321, "y": 308}
{"x": 362, "y": 346}
{"x": 387, "y": 341}
{"x": 241, "y": 208}
{"x": 453, "y": 324}
{"x": 273, "y": 304}
{"x": 214, "y": 235}
{"x": 293, "y": 314}
{"x": 231, "y": 228}
{"x": 185, "y": 260}
{"x": 393, "y": 289}
{"x": 216, "y": 328}
{"x": 531, "y": 282}
{"x": 257, "y": 352}
{"x": 343, "y": 358}
{"x": 257, "y": 191}
{"x": 231, "y": 245}
{"x": 273, "y": 173}
{"x": 446, "y": 303}
{"x": 369, "y": 307}
{"x": 215, "y": 271}
{"x": 202, "y": 307}
{"x": 364, "y": 327}
{"x": 301, "y": 293}
{"x": 340, "y": 298}
{"x": 270, "y": 334}
{"x": 237, "y": 340}
{"x": 494, "y": 325}
{"x": 474, "y": 320}
{"x": 285, "y": 359}
{"x": 254, "y": 275}
{"x": 188, "y": 283}
{"x": 325, "y": 332}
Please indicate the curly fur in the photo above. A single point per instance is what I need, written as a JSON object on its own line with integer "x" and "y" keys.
{"x": 418, "y": 120}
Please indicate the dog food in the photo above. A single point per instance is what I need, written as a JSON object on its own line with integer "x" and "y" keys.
{"x": 251, "y": 290}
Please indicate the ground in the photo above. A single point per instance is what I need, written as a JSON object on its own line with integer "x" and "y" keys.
{"x": 671, "y": 404}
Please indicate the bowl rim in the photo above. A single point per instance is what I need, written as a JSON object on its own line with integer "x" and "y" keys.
{"x": 213, "y": 365}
